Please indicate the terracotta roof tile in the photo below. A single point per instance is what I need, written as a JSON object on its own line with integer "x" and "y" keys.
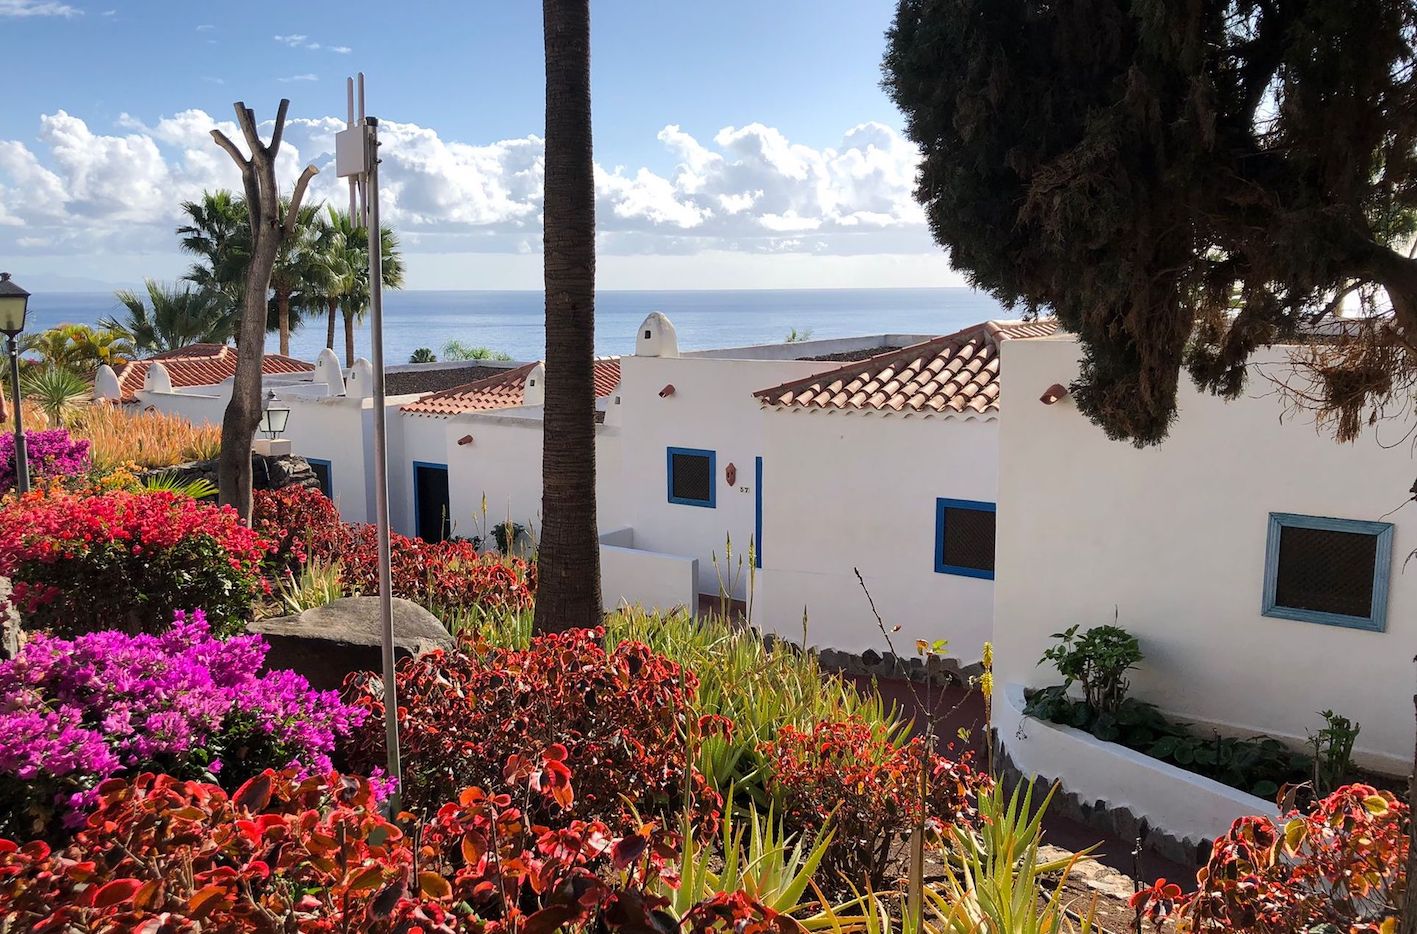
{"x": 503, "y": 391}
{"x": 200, "y": 365}
{"x": 957, "y": 373}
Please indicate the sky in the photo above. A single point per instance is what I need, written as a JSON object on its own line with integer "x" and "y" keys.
{"x": 738, "y": 144}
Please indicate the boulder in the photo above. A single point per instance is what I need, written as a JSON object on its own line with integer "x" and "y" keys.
{"x": 327, "y": 643}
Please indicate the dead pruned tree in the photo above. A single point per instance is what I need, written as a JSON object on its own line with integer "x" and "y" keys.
{"x": 269, "y": 229}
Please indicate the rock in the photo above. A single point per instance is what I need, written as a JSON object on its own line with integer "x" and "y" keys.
{"x": 267, "y": 473}
{"x": 327, "y": 643}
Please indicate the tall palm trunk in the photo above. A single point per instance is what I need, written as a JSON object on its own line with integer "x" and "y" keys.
{"x": 283, "y": 311}
{"x": 333, "y": 306}
{"x": 349, "y": 337}
{"x": 568, "y": 559}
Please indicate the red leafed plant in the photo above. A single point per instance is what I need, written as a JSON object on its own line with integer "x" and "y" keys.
{"x": 126, "y": 560}
{"x": 448, "y": 577}
{"x": 1338, "y": 867}
{"x": 619, "y": 716}
{"x": 846, "y": 773}
{"x": 279, "y": 854}
{"x": 300, "y": 524}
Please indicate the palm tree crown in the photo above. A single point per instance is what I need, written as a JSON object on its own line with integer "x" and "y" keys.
{"x": 174, "y": 316}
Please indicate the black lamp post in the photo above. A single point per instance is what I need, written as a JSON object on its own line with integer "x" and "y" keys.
{"x": 14, "y": 302}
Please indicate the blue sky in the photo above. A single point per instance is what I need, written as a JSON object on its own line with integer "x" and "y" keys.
{"x": 739, "y": 141}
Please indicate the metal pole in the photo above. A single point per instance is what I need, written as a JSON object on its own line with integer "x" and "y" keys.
{"x": 22, "y": 461}
{"x": 381, "y": 458}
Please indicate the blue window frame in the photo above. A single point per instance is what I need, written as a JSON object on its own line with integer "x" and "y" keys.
{"x": 691, "y": 477}
{"x": 1318, "y": 569}
{"x": 758, "y": 512}
{"x": 324, "y": 472}
{"x": 964, "y": 538}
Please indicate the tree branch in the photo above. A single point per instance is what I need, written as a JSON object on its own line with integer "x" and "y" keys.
{"x": 279, "y": 131}
{"x": 246, "y": 119}
{"x": 248, "y": 175}
{"x": 298, "y": 195}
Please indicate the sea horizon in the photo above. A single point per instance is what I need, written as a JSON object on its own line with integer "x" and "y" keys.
{"x": 510, "y": 321}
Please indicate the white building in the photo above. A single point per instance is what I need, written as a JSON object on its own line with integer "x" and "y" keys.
{"x": 1260, "y": 564}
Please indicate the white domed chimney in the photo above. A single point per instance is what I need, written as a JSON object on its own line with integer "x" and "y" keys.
{"x": 327, "y": 371}
{"x": 656, "y": 337}
{"x": 361, "y": 380}
{"x": 157, "y": 379}
{"x": 534, "y": 389}
{"x": 105, "y": 384}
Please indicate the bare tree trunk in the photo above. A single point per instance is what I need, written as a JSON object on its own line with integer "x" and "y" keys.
{"x": 283, "y": 313}
{"x": 330, "y": 329}
{"x": 348, "y": 337}
{"x": 568, "y": 559}
{"x": 268, "y": 229}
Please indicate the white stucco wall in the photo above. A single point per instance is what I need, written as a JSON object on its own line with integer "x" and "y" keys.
{"x": 712, "y": 408}
{"x": 202, "y": 406}
{"x": 334, "y": 430}
{"x": 1173, "y": 537}
{"x": 844, "y": 491}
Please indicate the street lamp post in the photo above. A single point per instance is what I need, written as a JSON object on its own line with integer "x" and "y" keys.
{"x": 14, "y": 303}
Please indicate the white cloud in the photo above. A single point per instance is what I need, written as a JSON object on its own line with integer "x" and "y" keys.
{"x": 37, "y": 8}
{"x": 745, "y": 190}
{"x": 300, "y": 41}
{"x": 303, "y": 77}
{"x": 205, "y": 27}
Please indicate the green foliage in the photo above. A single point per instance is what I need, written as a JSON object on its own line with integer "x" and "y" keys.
{"x": 320, "y": 582}
{"x": 761, "y": 688}
{"x": 79, "y": 347}
{"x": 173, "y": 316}
{"x": 55, "y": 389}
{"x": 423, "y": 355}
{"x": 754, "y": 855}
{"x": 458, "y": 350}
{"x": 1332, "y": 748}
{"x": 195, "y": 488}
{"x": 795, "y": 336}
{"x": 506, "y": 534}
{"x": 1098, "y": 660}
{"x": 1259, "y": 765}
{"x": 1154, "y": 172}
{"x": 994, "y": 880}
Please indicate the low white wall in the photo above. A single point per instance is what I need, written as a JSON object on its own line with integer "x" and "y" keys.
{"x": 649, "y": 579}
{"x": 1171, "y": 539}
{"x": 843, "y": 492}
{"x": 205, "y": 408}
{"x": 1180, "y": 803}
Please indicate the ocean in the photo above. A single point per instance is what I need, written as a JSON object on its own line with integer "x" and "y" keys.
{"x": 512, "y": 322}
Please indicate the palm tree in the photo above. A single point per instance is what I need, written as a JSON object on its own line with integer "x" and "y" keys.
{"x": 78, "y": 347}
{"x": 174, "y": 316}
{"x": 56, "y": 390}
{"x": 344, "y": 248}
{"x": 458, "y": 350}
{"x": 423, "y": 355}
{"x": 568, "y": 560}
{"x": 300, "y": 273}
{"x": 219, "y": 235}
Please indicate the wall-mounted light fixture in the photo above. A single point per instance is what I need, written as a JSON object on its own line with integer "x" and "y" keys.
{"x": 730, "y": 473}
{"x": 465, "y": 439}
{"x": 667, "y": 391}
{"x": 1053, "y": 393}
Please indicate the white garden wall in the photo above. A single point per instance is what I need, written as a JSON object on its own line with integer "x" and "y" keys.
{"x": 1172, "y": 538}
{"x": 843, "y": 491}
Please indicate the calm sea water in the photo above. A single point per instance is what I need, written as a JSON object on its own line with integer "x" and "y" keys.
{"x": 512, "y": 322}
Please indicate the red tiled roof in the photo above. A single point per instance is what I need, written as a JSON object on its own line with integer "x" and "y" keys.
{"x": 200, "y": 365}
{"x": 503, "y": 391}
{"x": 957, "y": 373}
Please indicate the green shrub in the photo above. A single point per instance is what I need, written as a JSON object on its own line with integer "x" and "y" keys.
{"x": 1098, "y": 660}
